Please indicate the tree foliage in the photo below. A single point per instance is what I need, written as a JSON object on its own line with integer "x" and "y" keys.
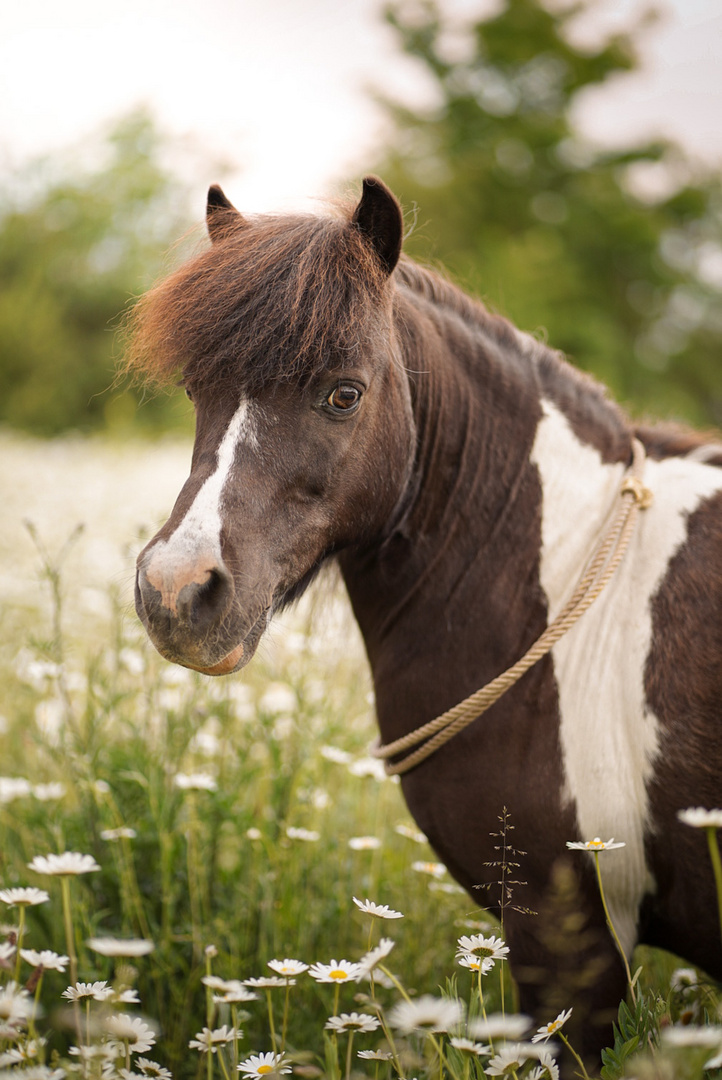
{"x": 77, "y": 241}
{"x": 551, "y": 231}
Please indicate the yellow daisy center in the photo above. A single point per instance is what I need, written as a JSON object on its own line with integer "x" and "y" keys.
{"x": 337, "y": 973}
{"x": 264, "y": 1069}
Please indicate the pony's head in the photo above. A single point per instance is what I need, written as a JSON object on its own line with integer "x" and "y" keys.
{"x": 282, "y": 335}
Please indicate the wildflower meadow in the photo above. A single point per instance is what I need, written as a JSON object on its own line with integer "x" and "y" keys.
{"x": 209, "y": 878}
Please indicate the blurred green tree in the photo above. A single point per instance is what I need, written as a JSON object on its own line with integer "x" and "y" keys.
{"x": 553, "y": 232}
{"x": 79, "y": 236}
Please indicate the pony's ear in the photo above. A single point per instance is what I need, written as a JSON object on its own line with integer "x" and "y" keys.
{"x": 221, "y": 215}
{"x": 379, "y": 218}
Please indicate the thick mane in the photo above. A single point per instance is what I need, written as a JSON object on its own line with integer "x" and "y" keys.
{"x": 288, "y": 297}
{"x": 277, "y": 298}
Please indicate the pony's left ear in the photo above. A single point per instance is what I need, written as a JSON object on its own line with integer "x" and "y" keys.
{"x": 379, "y": 218}
{"x": 221, "y": 215}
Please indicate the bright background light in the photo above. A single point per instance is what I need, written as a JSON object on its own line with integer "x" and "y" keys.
{"x": 280, "y": 89}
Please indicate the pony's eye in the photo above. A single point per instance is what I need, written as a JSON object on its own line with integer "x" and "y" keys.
{"x": 344, "y": 398}
{"x": 189, "y": 394}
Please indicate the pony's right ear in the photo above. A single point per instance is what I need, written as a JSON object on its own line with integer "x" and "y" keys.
{"x": 221, "y": 215}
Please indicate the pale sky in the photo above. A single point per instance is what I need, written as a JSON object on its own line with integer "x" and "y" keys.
{"x": 279, "y": 88}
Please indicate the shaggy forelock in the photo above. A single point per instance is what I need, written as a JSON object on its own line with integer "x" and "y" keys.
{"x": 277, "y": 298}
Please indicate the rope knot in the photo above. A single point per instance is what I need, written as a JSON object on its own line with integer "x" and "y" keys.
{"x": 642, "y": 495}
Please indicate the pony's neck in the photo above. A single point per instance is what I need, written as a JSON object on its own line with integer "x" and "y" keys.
{"x": 456, "y": 585}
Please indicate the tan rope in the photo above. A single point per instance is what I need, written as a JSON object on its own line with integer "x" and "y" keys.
{"x": 633, "y": 496}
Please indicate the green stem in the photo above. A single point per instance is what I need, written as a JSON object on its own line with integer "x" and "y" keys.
{"x": 285, "y": 1016}
{"x": 69, "y": 936}
{"x": 234, "y": 1021}
{"x": 348, "y": 1055}
{"x": 574, "y": 1054}
{"x": 18, "y": 943}
{"x": 222, "y": 1060}
{"x": 270, "y": 1020}
{"x": 613, "y": 932}
{"x": 716, "y": 866}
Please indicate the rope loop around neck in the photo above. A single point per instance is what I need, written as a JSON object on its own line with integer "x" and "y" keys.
{"x": 420, "y": 744}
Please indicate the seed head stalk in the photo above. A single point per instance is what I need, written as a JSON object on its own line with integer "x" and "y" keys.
{"x": 613, "y": 932}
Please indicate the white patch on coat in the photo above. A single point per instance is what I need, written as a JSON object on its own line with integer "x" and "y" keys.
{"x": 609, "y": 735}
{"x": 199, "y": 533}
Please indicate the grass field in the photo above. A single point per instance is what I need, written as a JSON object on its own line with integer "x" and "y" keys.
{"x": 226, "y": 824}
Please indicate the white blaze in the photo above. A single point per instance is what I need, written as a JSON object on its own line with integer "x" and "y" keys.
{"x": 609, "y": 736}
{"x": 200, "y": 529}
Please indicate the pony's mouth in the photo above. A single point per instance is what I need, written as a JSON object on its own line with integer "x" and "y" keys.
{"x": 225, "y": 666}
{"x": 239, "y": 655}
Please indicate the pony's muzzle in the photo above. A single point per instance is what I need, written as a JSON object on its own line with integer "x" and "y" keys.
{"x": 179, "y": 596}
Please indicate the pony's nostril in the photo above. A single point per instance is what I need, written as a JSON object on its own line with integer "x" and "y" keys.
{"x": 201, "y": 603}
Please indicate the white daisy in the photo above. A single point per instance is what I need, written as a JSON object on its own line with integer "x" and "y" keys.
{"x": 7, "y": 950}
{"x": 435, "y": 869}
{"x": 288, "y": 967}
{"x": 498, "y": 1025}
{"x": 82, "y": 991}
{"x": 336, "y": 972}
{"x": 594, "y": 845}
{"x": 700, "y": 818}
{"x": 231, "y": 991}
{"x": 309, "y": 835}
{"x": 15, "y": 1003}
{"x": 544, "y": 1033}
{"x": 153, "y": 1069}
{"x": 109, "y": 946}
{"x": 368, "y": 962}
{"x": 483, "y": 964}
{"x": 48, "y": 792}
{"x": 510, "y": 1059}
{"x": 375, "y": 1055}
{"x": 269, "y": 982}
{"x": 47, "y": 959}
{"x": 13, "y": 787}
{"x": 547, "y": 1069}
{"x": 368, "y": 766}
{"x": 131, "y": 1030}
{"x": 426, "y": 1013}
{"x": 484, "y": 947}
{"x": 381, "y": 911}
{"x": 125, "y": 997}
{"x": 410, "y": 834}
{"x": 121, "y": 833}
{"x": 19, "y": 896}
{"x": 212, "y": 1039}
{"x": 260, "y": 1065}
{"x": 683, "y": 979}
{"x": 68, "y": 863}
{"x": 690, "y": 1035}
{"x": 468, "y": 1046}
{"x": 352, "y": 1022}
{"x": 195, "y": 781}
{"x": 364, "y": 843}
{"x": 335, "y": 754}
{"x": 106, "y": 1051}
{"x": 33, "y": 1072}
